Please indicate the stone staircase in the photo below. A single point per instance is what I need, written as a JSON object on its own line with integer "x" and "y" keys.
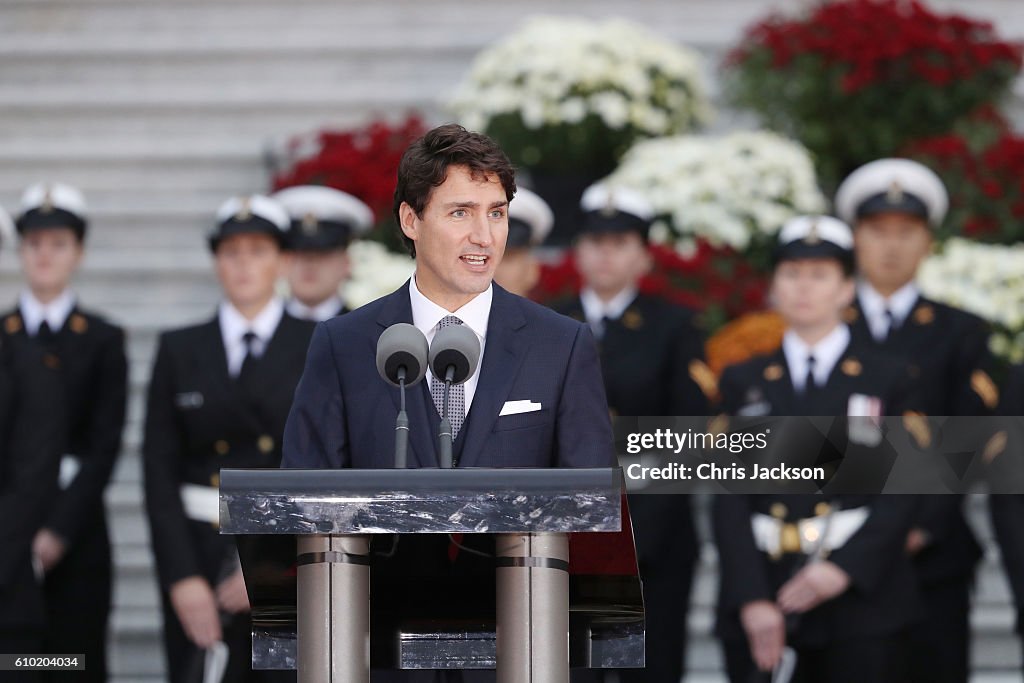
{"x": 160, "y": 109}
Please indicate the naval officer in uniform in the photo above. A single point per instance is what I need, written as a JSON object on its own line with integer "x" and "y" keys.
{"x": 823, "y": 575}
{"x": 324, "y": 221}
{"x": 88, "y": 355}
{"x": 31, "y": 441}
{"x": 529, "y": 221}
{"x": 894, "y": 204}
{"x": 219, "y": 397}
{"x": 652, "y": 363}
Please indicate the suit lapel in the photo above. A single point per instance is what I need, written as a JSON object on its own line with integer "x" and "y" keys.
{"x": 423, "y": 419}
{"x": 503, "y": 355}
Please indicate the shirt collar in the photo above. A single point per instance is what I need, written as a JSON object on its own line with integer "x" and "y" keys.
{"x": 826, "y": 352}
{"x": 426, "y": 314}
{"x": 54, "y": 313}
{"x": 595, "y": 310}
{"x": 233, "y": 325}
{"x": 322, "y": 311}
{"x": 899, "y": 304}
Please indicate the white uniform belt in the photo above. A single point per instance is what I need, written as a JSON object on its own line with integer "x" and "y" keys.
{"x": 827, "y": 532}
{"x": 201, "y": 503}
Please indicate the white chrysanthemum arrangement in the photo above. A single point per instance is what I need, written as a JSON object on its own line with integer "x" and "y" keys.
{"x": 733, "y": 191}
{"x": 568, "y": 93}
{"x": 985, "y": 279}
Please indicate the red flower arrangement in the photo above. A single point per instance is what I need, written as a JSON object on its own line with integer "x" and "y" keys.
{"x": 986, "y": 187}
{"x": 856, "y": 80}
{"x": 719, "y": 283}
{"x": 362, "y": 162}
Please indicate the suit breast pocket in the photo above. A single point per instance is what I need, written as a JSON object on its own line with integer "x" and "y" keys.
{"x": 535, "y": 418}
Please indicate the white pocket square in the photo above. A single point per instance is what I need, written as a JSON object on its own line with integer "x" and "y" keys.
{"x": 516, "y": 407}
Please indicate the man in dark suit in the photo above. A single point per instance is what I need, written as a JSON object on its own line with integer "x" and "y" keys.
{"x": 893, "y": 205}
{"x": 451, "y": 203}
{"x": 88, "y": 354}
{"x": 536, "y": 398}
{"x": 652, "y": 362}
{"x": 219, "y": 397}
{"x": 324, "y": 221}
{"x": 31, "y": 441}
{"x": 842, "y": 604}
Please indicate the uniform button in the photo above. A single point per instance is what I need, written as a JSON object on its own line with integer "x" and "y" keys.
{"x": 51, "y": 361}
{"x": 265, "y": 443}
{"x": 215, "y": 480}
{"x": 779, "y": 510}
{"x": 222, "y": 447}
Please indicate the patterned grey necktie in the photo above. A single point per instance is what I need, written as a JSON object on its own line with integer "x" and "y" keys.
{"x": 457, "y": 395}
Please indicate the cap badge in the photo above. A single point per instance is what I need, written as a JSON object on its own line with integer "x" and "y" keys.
{"x": 609, "y": 210}
{"x": 244, "y": 212}
{"x": 894, "y": 195}
{"x": 309, "y": 224}
{"x": 812, "y": 235}
{"x": 47, "y": 204}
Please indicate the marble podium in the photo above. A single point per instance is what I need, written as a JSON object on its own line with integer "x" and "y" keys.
{"x": 349, "y": 570}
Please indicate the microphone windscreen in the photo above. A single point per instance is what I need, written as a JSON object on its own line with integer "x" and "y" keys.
{"x": 402, "y": 345}
{"x": 455, "y": 346}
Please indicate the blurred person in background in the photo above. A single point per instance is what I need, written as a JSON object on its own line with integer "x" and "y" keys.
{"x": 529, "y": 222}
{"x": 841, "y": 606}
{"x": 88, "y": 354}
{"x": 31, "y": 442}
{"x": 893, "y": 205}
{"x": 219, "y": 396}
{"x": 652, "y": 363}
{"x": 324, "y": 221}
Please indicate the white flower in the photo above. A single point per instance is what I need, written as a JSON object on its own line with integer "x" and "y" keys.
{"x": 541, "y": 70}
{"x": 727, "y": 190}
{"x": 375, "y": 272}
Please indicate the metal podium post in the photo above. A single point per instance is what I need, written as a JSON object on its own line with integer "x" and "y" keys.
{"x": 533, "y": 608}
{"x": 333, "y": 609}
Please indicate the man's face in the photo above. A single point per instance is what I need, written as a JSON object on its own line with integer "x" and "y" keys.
{"x": 460, "y": 237}
{"x": 519, "y": 271}
{"x": 890, "y": 247}
{"x": 811, "y": 293}
{"x": 49, "y": 257}
{"x": 315, "y": 276}
{"x": 610, "y": 262}
{"x": 248, "y": 266}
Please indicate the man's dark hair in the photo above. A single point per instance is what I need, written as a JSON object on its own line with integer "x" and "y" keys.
{"x": 425, "y": 164}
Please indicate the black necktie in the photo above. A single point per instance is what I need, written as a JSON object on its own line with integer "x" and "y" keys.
{"x": 45, "y": 334}
{"x": 891, "y": 326}
{"x": 810, "y": 384}
{"x": 249, "y": 338}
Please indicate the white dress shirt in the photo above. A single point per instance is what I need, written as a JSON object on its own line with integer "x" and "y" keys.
{"x": 826, "y": 352}
{"x": 475, "y": 314}
{"x": 234, "y": 326}
{"x": 54, "y": 313}
{"x": 595, "y": 310}
{"x": 874, "y": 305}
{"x": 322, "y": 311}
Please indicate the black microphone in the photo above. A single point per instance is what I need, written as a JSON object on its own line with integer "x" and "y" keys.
{"x": 402, "y": 361}
{"x": 454, "y": 354}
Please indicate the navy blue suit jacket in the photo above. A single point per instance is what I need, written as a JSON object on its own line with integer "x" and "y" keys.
{"x": 343, "y": 414}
